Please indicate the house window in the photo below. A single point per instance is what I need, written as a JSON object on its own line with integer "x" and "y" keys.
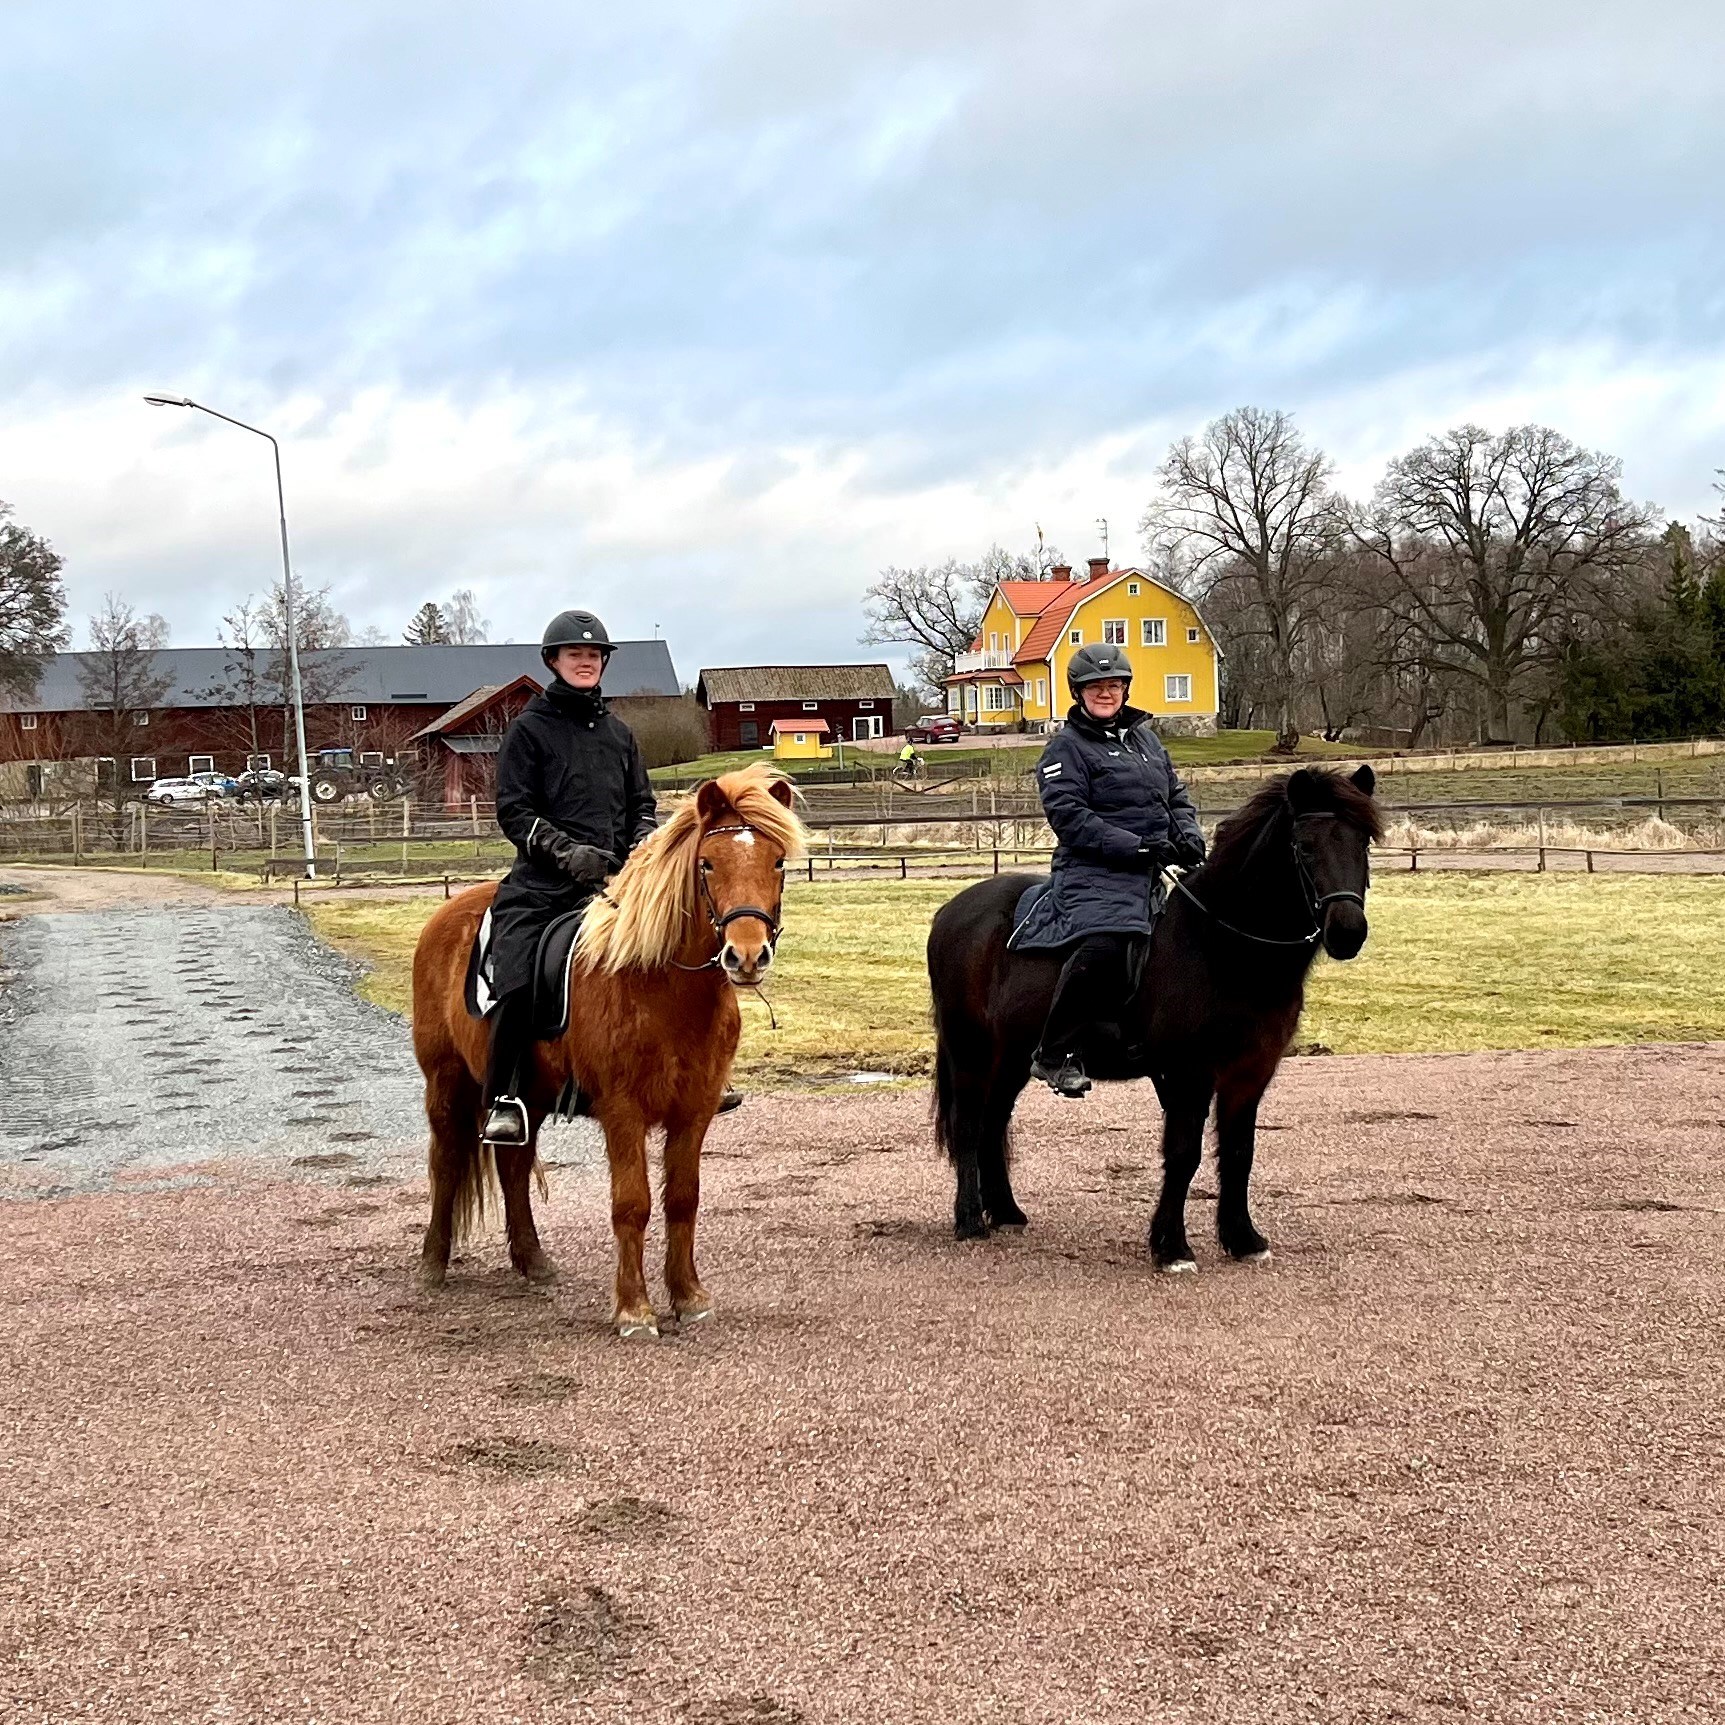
{"x": 371, "y": 757}
{"x": 745, "y": 706}
{"x": 1041, "y": 690}
{"x": 1114, "y": 632}
{"x": 141, "y": 719}
{"x": 865, "y": 706}
{"x": 1155, "y": 631}
{"x": 200, "y": 763}
{"x": 1194, "y": 634}
{"x": 996, "y": 698}
{"x": 26, "y": 721}
{"x": 358, "y": 715}
{"x": 257, "y": 763}
{"x": 143, "y": 769}
{"x": 1132, "y": 589}
{"x": 1076, "y": 637}
{"x": 748, "y": 735}
{"x": 993, "y": 640}
{"x": 802, "y": 737}
{"x": 1178, "y": 688}
{"x": 33, "y": 780}
{"x": 811, "y": 706}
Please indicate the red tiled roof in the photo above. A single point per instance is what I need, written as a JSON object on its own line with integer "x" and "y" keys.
{"x": 1010, "y": 678}
{"x": 1028, "y": 598}
{"x": 1039, "y": 643}
{"x": 797, "y": 725}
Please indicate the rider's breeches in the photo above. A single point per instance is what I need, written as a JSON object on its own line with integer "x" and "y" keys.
{"x": 511, "y": 1044}
{"x": 1094, "y": 984}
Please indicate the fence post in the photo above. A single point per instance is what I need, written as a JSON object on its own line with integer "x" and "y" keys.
{"x": 473, "y": 815}
{"x": 1590, "y": 862}
{"x": 446, "y": 886}
{"x": 406, "y": 829}
{"x": 210, "y": 805}
{"x": 275, "y": 810}
{"x": 338, "y": 862}
{"x": 903, "y": 870}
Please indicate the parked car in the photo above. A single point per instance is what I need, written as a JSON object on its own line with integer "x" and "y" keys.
{"x": 168, "y": 792}
{"x": 217, "y": 784}
{"x": 937, "y": 728}
{"x": 264, "y": 785}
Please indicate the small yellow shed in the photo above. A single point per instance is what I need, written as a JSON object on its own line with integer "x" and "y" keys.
{"x": 800, "y": 740}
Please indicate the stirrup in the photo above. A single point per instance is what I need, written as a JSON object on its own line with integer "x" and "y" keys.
{"x": 507, "y": 1124}
{"x": 731, "y": 1099}
{"x": 1067, "y": 1079}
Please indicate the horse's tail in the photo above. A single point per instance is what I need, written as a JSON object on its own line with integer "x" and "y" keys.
{"x": 946, "y": 1102}
{"x": 962, "y": 953}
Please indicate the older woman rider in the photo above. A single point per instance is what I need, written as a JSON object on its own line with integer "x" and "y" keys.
{"x": 1120, "y": 815}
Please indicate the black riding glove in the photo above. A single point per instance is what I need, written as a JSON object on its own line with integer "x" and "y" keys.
{"x": 586, "y": 865}
{"x": 1189, "y": 851}
{"x": 1152, "y": 856}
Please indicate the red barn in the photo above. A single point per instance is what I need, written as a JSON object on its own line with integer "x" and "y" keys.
{"x": 742, "y": 701}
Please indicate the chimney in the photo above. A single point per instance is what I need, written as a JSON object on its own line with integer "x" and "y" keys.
{"x": 1061, "y": 572}
{"x": 1098, "y": 568}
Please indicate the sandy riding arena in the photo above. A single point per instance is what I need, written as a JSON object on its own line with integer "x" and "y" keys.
{"x": 1455, "y": 1454}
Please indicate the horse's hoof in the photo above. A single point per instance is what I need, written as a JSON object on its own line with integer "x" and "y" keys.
{"x": 1262, "y": 1257}
{"x": 537, "y": 1268}
{"x": 971, "y": 1229}
{"x": 432, "y": 1276}
{"x": 697, "y": 1314}
{"x": 637, "y": 1329}
{"x": 1178, "y": 1267}
{"x": 1017, "y": 1227}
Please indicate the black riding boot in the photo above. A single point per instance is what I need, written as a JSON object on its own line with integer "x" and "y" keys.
{"x": 1090, "y": 987}
{"x": 506, "y": 1121}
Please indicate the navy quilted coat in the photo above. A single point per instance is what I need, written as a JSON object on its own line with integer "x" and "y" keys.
{"x": 1105, "y": 789}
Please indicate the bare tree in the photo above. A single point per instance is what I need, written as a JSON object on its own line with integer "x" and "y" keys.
{"x": 1496, "y": 550}
{"x": 248, "y": 691}
{"x": 324, "y": 675}
{"x": 32, "y": 605}
{"x": 938, "y": 608}
{"x": 121, "y": 691}
{"x": 1249, "y": 504}
{"x": 462, "y": 624}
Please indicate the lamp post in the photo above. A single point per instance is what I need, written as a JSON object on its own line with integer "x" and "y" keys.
{"x": 292, "y": 627}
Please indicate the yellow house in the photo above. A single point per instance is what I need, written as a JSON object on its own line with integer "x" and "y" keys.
{"x": 1015, "y": 671}
{"x": 800, "y": 740}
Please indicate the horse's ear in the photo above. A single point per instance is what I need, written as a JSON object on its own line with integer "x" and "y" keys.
{"x": 780, "y": 791}
{"x": 710, "y": 802}
{"x": 1366, "y": 779}
{"x": 1305, "y": 792}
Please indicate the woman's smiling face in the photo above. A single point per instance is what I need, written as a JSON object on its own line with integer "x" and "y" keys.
{"x": 1103, "y": 700}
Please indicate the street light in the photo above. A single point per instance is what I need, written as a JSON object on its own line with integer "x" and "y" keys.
{"x": 292, "y": 629}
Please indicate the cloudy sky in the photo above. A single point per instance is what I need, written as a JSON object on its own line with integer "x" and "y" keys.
{"x": 702, "y": 314}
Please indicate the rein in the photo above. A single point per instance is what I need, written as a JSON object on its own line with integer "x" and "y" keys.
{"x": 1316, "y": 903}
{"x": 738, "y": 914}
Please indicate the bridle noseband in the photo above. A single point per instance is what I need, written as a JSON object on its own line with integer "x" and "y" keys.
{"x": 1316, "y": 903}
{"x": 739, "y": 913}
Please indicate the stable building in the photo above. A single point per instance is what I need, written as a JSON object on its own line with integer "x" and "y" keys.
{"x": 743, "y": 702}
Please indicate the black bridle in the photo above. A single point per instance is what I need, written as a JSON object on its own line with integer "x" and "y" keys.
{"x": 1316, "y": 903}
{"x": 721, "y": 922}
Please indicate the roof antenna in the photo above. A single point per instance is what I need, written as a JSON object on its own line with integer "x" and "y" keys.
{"x": 1102, "y": 522}
{"x": 1041, "y": 557}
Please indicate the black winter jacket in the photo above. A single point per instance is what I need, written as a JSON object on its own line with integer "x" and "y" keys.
{"x": 1105, "y": 791}
{"x": 570, "y": 763}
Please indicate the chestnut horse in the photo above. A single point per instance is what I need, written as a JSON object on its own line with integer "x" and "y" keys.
{"x": 653, "y": 1027}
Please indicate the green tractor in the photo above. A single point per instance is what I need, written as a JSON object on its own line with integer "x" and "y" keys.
{"x": 338, "y": 774}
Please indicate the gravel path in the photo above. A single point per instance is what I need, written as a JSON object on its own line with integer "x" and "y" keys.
{"x": 139, "y": 1043}
{"x": 1455, "y": 1454}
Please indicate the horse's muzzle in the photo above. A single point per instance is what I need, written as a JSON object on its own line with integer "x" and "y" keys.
{"x": 1344, "y": 930}
{"x": 745, "y": 969}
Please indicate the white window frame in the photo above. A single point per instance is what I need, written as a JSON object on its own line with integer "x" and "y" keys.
{"x": 994, "y": 640}
{"x": 26, "y": 721}
{"x": 1113, "y": 631}
{"x": 1153, "y": 632}
{"x": 1177, "y": 688}
{"x": 811, "y": 706}
{"x": 357, "y": 714}
{"x": 997, "y": 698}
{"x": 139, "y": 778}
{"x": 1041, "y": 691}
{"x": 257, "y": 763}
{"x": 1131, "y": 589}
{"x": 193, "y": 769}
{"x": 801, "y": 736}
{"x": 745, "y": 706}
{"x": 1194, "y": 635}
{"x": 140, "y": 719}
{"x": 865, "y": 706}
{"x": 862, "y": 729}
{"x": 1075, "y": 637}
{"x": 371, "y": 757}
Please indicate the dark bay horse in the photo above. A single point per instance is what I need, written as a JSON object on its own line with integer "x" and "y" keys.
{"x": 1223, "y": 985}
{"x": 653, "y": 1027}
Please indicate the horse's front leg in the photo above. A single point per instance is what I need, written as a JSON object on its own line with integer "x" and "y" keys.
{"x": 1183, "y": 1115}
{"x": 631, "y": 1206}
{"x": 683, "y": 1139}
{"x": 1237, "y": 1102}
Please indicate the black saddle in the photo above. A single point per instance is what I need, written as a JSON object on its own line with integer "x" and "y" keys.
{"x": 551, "y": 962}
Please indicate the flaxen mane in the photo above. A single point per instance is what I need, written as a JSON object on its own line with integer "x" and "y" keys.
{"x": 640, "y": 920}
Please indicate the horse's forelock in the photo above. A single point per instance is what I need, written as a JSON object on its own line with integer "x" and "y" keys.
{"x": 1320, "y": 791}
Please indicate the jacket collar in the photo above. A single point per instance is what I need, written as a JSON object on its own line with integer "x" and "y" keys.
{"x": 584, "y": 704}
{"x": 1129, "y": 718}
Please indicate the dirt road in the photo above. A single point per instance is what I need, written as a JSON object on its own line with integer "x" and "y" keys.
{"x": 1454, "y": 1454}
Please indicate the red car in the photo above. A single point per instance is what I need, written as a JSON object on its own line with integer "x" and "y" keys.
{"x": 936, "y": 729}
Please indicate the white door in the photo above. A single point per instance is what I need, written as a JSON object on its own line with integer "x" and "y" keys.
{"x": 868, "y": 725}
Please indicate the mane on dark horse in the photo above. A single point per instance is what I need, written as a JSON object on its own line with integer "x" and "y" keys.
{"x": 1223, "y": 986}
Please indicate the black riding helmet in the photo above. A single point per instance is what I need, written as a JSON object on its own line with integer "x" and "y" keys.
{"x": 1097, "y": 665}
{"x": 574, "y": 629}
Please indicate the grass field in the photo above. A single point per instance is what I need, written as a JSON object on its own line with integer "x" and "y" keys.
{"x": 1454, "y": 964}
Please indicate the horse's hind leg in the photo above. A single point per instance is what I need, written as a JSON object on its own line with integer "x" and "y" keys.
{"x": 452, "y": 1108}
{"x": 515, "y": 1175}
{"x": 683, "y": 1138}
{"x": 993, "y": 1155}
